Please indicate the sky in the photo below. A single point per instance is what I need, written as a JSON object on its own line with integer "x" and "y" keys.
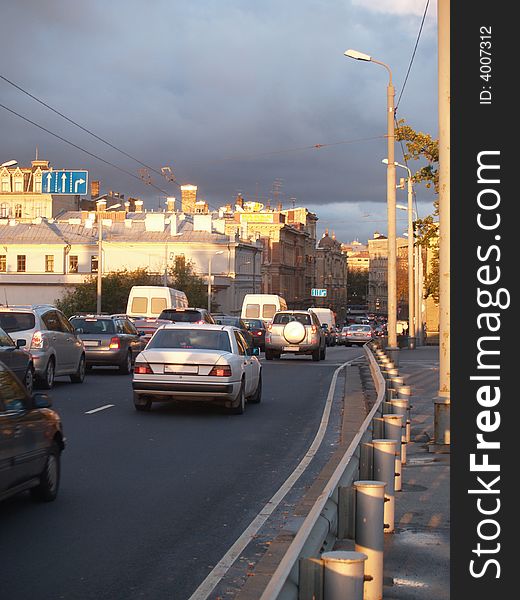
{"x": 232, "y": 95}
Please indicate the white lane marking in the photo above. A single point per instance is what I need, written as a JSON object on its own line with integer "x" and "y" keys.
{"x": 95, "y": 410}
{"x": 225, "y": 563}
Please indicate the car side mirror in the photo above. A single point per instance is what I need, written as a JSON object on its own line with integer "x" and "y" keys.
{"x": 140, "y": 333}
{"x": 41, "y": 400}
{"x": 78, "y": 330}
{"x": 256, "y": 351}
{"x": 20, "y": 343}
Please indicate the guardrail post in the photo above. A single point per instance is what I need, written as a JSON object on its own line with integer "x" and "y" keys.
{"x": 384, "y": 470}
{"x": 378, "y": 427}
{"x": 401, "y": 406}
{"x": 369, "y": 537}
{"x": 343, "y": 575}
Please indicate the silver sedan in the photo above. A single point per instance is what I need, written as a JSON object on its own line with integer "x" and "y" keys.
{"x": 189, "y": 362}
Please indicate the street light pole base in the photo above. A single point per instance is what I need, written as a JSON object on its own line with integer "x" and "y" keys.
{"x": 393, "y": 354}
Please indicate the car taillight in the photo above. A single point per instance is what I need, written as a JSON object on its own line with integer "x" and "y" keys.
{"x": 224, "y": 371}
{"x": 114, "y": 344}
{"x": 314, "y": 329}
{"x": 258, "y": 332}
{"x": 143, "y": 369}
{"x": 200, "y": 322}
{"x": 37, "y": 340}
{"x": 269, "y": 327}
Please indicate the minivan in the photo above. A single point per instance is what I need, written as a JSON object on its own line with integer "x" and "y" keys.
{"x": 149, "y": 301}
{"x": 262, "y": 306}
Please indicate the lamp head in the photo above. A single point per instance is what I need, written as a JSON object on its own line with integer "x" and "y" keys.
{"x": 357, "y": 55}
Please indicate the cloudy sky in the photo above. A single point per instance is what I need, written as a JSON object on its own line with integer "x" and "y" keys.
{"x": 232, "y": 95}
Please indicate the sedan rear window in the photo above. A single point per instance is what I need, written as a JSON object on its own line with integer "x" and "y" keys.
{"x": 284, "y": 318}
{"x": 94, "y": 325}
{"x": 182, "y": 316}
{"x": 198, "y": 339}
{"x": 360, "y": 328}
{"x": 12, "y": 321}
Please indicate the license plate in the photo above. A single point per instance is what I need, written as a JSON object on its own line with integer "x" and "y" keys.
{"x": 91, "y": 342}
{"x": 291, "y": 348}
{"x": 182, "y": 369}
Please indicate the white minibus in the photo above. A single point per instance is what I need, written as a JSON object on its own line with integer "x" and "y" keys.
{"x": 149, "y": 300}
{"x": 262, "y": 306}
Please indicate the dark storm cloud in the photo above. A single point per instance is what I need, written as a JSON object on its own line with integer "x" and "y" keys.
{"x": 217, "y": 91}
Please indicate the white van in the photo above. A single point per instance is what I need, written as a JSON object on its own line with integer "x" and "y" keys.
{"x": 149, "y": 300}
{"x": 262, "y": 306}
{"x": 325, "y": 315}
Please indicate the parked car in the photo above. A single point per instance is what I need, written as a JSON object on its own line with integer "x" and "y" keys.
{"x": 55, "y": 347}
{"x": 209, "y": 362}
{"x": 329, "y": 339}
{"x": 13, "y": 355}
{"x": 221, "y": 319}
{"x": 358, "y": 334}
{"x": 258, "y": 330}
{"x": 295, "y": 332}
{"x": 31, "y": 441}
{"x": 187, "y": 315}
{"x": 108, "y": 340}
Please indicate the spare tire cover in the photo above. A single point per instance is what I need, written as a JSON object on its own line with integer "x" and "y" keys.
{"x": 294, "y": 332}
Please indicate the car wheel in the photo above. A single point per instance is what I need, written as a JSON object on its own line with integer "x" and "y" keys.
{"x": 316, "y": 355}
{"x": 126, "y": 366}
{"x": 239, "y": 404}
{"x": 79, "y": 375}
{"x": 323, "y": 353}
{"x": 47, "y": 489}
{"x": 47, "y": 380}
{"x": 268, "y": 355}
{"x": 28, "y": 380}
{"x": 257, "y": 396}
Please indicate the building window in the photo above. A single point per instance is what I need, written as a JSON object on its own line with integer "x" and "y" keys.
{"x": 94, "y": 263}
{"x": 49, "y": 263}
{"x": 5, "y": 185}
{"x": 20, "y": 263}
{"x": 18, "y": 185}
{"x": 38, "y": 186}
{"x": 73, "y": 264}
{"x": 18, "y": 211}
{"x": 4, "y": 210}
{"x": 3, "y": 263}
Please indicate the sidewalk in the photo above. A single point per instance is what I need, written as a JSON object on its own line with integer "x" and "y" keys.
{"x": 417, "y": 554}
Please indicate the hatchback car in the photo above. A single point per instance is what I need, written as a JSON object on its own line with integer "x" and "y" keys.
{"x": 358, "y": 334}
{"x": 210, "y": 363}
{"x": 257, "y": 329}
{"x": 31, "y": 441}
{"x": 17, "y": 359}
{"x": 108, "y": 340}
{"x": 187, "y": 315}
{"x": 295, "y": 332}
{"x": 55, "y": 347}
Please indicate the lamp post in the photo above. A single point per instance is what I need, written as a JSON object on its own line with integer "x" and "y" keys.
{"x": 100, "y": 253}
{"x": 9, "y": 163}
{"x": 392, "y": 348}
{"x": 409, "y": 208}
{"x": 209, "y": 276}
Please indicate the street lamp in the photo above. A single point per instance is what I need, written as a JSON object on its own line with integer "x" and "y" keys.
{"x": 100, "y": 251}
{"x": 390, "y": 195}
{"x": 409, "y": 208}
{"x": 9, "y": 163}
{"x": 209, "y": 276}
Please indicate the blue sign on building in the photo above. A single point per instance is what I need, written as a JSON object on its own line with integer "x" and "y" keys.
{"x": 65, "y": 182}
{"x": 320, "y": 293}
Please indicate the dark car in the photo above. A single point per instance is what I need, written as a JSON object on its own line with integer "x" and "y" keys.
{"x": 108, "y": 340}
{"x": 257, "y": 329}
{"x": 31, "y": 441}
{"x": 17, "y": 359}
{"x": 187, "y": 315}
{"x": 221, "y": 319}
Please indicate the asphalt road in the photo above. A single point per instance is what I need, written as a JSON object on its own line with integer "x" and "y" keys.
{"x": 150, "y": 502}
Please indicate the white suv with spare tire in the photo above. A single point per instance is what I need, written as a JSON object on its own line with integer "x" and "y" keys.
{"x": 295, "y": 332}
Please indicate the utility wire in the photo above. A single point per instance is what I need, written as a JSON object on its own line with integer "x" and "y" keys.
{"x": 82, "y": 149}
{"x": 83, "y": 128}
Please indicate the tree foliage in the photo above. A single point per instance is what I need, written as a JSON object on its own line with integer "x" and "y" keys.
{"x": 115, "y": 289}
{"x": 421, "y": 146}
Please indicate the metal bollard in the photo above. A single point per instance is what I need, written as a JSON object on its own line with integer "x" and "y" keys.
{"x": 384, "y": 470}
{"x": 390, "y": 394}
{"x": 378, "y": 428}
{"x": 395, "y": 382}
{"x": 369, "y": 536}
{"x": 404, "y": 391}
{"x": 389, "y": 373}
{"x": 394, "y": 430}
{"x": 442, "y": 420}
{"x": 401, "y": 406}
{"x": 343, "y": 575}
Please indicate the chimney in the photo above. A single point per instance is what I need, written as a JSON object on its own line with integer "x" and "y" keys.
{"x": 170, "y": 204}
{"x": 173, "y": 224}
{"x": 154, "y": 222}
{"x": 94, "y": 190}
{"x": 127, "y": 206}
{"x": 202, "y": 222}
{"x": 139, "y": 206}
{"x": 101, "y": 205}
{"x": 189, "y": 197}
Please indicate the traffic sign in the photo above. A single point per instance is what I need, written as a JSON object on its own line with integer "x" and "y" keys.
{"x": 319, "y": 293}
{"x": 65, "y": 182}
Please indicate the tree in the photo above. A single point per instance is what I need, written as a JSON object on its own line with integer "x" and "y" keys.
{"x": 421, "y": 146}
{"x": 183, "y": 277}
